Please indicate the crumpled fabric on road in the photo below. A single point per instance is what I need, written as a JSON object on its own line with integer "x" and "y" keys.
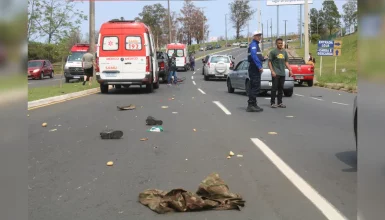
{"x": 212, "y": 194}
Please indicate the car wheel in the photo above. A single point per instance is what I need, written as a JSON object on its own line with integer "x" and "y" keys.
{"x": 206, "y": 78}
{"x": 156, "y": 85}
{"x": 150, "y": 87}
{"x": 103, "y": 88}
{"x": 288, "y": 93}
{"x": 310, "y": 83}
{"x": 118, "y": 86}
{"x": 51, "y": 75}
{"x": 41, "y": 76}
{"x": 247, "y": 87}
{"x": 230, "y": 89}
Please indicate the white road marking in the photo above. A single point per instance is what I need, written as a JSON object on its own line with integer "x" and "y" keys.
{"x": 317, "y": 99}
{"x": 192, "y": 77}
{"x": 194, "y": 83}
{"x": 198, "y": 68}
{"x": 194, "y": 72}
{"x": 200, "y": 90}
{"x": 329, "y": 211}
{"x": 298, "y": 95}
{"x": 224, "y": 109}
{"x": 339, "y": 103}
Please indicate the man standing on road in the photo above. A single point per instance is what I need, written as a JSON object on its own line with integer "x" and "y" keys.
{"x": 255, "y": 59}
{"x": 278, "y": 59}
{"x": 172, "y": 65}
{"x": 88, "y": 67}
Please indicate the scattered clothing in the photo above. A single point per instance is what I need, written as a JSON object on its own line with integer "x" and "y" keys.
{"x": 129, "y": 107}
{"x": 153, "y": 121}
{"x": 111, "y": 134}
{"x": 212, "y": 194}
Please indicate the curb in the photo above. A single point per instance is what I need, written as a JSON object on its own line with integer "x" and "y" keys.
{"x": 61, "y": 98}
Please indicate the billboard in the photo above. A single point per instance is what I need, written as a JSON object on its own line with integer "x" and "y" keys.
{"x": 287, "y": 2}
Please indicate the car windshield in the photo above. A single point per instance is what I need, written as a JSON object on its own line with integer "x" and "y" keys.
{"x": 76, "y": 56}
{"x": 217, "y": 59}
{"x": 179, "y": 52}
{"x": 35, "y": 63}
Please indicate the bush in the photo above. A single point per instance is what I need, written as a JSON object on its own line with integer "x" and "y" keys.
{"x": 315, "y": 38}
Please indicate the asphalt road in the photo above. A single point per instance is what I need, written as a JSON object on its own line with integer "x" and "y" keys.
{"x": 306, "y": 171}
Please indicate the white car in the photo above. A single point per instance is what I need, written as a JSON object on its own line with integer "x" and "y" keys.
{"x": 201, "y": 49}
{"x": 243, "y": 45}
{"x": 236, "y": 44}
{"x": 217, "y": 66}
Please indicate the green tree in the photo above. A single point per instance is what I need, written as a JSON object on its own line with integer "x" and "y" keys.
{"x": 316, "y": 21}
{"x": 154, "y": 16}
{"x": 350, "y": 13}
{"x": 330, "y": 16}
{"x": 54, "y": 19}
{"x": 240, "y": 13}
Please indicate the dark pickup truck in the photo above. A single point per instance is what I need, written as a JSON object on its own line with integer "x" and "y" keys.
{"x": 163, "y": 58}
{"x": 302, "y": 72}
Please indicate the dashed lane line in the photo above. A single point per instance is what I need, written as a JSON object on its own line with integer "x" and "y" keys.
{"x": 200, "y": 90}
{"x": 222, "y": 107}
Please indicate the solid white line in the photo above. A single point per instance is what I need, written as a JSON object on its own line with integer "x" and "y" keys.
{"x": 192, "y": 77}
{"x": 317, "y": 99}
{"x": 224, "y": 109}
{"x": 319, "y": 201}
{"x": 194, "y": 83}
{"x": 298, "y": 95}
{"x": 200, "y": 90}
{"x": 339, "y": 103}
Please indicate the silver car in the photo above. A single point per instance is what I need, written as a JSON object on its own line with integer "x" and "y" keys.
{"x": 216, "y": 66}
{"x": 239, "y": 79}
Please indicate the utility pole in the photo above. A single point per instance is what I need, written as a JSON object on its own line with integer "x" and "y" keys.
{"x": 267, "y": 28}
{"x": 277, "y": 21}
{"x": 285, "y": 32}
{"x": 306, "y": 29}
{"x": 300, "y": 25}
{"x": 248, "y": 35}
{"x": 271, "y": 31}
{"x": 259, "y": 15}
{"x": 92, "y": 28}
{"x": 203, "y": 33}
{"x": 226, "y": 28}
{"x": 169, "y": 23}
{"x": 262, "y": 37}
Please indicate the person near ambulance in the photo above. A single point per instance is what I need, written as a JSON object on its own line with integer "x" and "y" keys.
{"x": 255, "y": 70}
{"x": 192, "y": 61}
{"x": 172, "y": 66}
{"x": 88, "y": 63}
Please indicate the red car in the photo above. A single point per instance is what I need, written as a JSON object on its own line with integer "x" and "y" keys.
{"x": 302, "y": 72}
{"x": 38, "y": 69}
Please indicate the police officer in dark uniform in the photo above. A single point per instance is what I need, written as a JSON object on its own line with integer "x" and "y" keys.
{"x": 255, "y": 59}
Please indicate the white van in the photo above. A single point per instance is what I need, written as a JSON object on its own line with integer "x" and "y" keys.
{"x": 182, "y": 58}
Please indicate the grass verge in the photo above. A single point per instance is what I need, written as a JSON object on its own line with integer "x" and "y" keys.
{"x": 56, "y": 90}
{"x": 346, "y": 73}
{"x": 14, "y": 81}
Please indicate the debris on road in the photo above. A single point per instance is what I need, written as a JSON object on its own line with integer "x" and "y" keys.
{"x": 172, "y": 98}
{"x": 153, "y": 121}
{"x": 194, "y": 129}
{"x": 111, "y": 134}
{"x": 228, "y": 157}
{"x": 27, "y": 115}
{"x": 143, "y": 139}
{"x": 128, "y": 107}
{"x": 212, "y": 194}
{"x": 53, "y": 130}
{"x": 239, "y": 155}
{"x": 164, "y": 106}
{"x": 175, "y": 112}
{"x": 272, "y": 132}
{"x": 156, "y": 129}
{"x": 110, "y": 163}
{"x": 289, "y": 116}
{"x": 231, "y": 153}
{"x": 44, "y": 124}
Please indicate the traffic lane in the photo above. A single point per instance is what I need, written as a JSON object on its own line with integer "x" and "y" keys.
{"x": 34, "y": 83}
{"x": 330, "y": 95}
{"x": 318, "y": 142}
{"x": 68, "y": 176}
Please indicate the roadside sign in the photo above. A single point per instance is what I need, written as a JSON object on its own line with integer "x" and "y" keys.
{"x": 325, "y": 51}
{"x": 325, "y": 44}
{"x": 337, "y": 52}
{"x": 337, "y": 44}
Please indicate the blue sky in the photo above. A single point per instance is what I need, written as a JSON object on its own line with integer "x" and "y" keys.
{"x": 214, "y": 10}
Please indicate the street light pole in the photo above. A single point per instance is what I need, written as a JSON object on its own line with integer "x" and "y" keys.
{"x": 277, "y": 21}
{"x": 285, "y": 32}
{"x": 92, "y": 29}
{"x": 226, "y": 28}
{"x": 271, "y": 31}
{"x": 306, "y": 29}
{"x": 169, "y": 23}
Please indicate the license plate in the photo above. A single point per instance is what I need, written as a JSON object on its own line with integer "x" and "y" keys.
{"x": 111, "y": 74}
{"x": 76, "y": 77}
{"x": 270, "y": 84}
{"x": 299, "y": 77}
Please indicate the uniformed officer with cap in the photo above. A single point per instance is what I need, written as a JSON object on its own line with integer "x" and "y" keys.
{"x": 255, "y": 59}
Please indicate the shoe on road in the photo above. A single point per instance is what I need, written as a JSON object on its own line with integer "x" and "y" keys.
{"x": 254, "y": 108}
{"x": 153, "y": 121}
{"x": 111, "y": 134}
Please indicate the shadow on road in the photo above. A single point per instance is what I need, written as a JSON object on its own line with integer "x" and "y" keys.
{"x": 350, "y": 159}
